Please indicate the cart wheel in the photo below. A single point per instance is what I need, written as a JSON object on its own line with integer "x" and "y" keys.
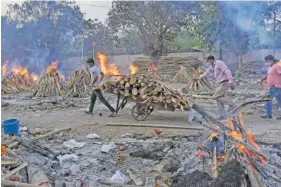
{"x": 139, "y": 112}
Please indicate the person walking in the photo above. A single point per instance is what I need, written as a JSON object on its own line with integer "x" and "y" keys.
{"x": 223, "y": 77}
{"x": 273, "y": 78}
{"x": 96, "y": 78}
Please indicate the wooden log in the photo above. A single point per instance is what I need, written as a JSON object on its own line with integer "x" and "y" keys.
{"x": 37, "y": 176}
{"x": 23, "y": 165}
{"x": 36, "y": 147}
{"x": 7, "y": 183}
{"x": 214, "y": 163}
{"x": 153, "y": 126}
{"x": 51, "y": 133}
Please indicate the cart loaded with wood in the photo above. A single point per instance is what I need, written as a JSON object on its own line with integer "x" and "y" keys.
{"x": 148, "y": 93}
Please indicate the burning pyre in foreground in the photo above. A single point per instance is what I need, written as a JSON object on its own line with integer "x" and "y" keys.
{"x": 228, "y": 142}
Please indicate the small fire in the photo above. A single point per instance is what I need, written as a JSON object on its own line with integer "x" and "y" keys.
{"x": 52, "y": 67}
{"x": 34, "y": 77}
{"x": 107, "y": 68}
{"x": 23, "y": 71}
{"x": 133, "y": 69}
{"x": 4, "y": 67}
{"x": 279, "y": 62}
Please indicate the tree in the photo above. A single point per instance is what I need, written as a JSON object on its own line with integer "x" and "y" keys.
{"x": 157, "y": 22}
{"x": 49, "y": 28}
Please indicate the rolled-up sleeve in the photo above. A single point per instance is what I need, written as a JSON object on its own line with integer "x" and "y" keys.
{"x": 226, "y": 71}
{"x": 206, "y": 73}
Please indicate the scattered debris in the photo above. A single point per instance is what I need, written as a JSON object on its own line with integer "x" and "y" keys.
{"x": 93, "y": 136}
{"x": 71, "y": 144}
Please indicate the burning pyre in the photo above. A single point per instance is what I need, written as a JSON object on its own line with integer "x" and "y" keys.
{"x": 18, "y": 80}
{"x": 49, "y": 82}
{"x": 227, "y": 141}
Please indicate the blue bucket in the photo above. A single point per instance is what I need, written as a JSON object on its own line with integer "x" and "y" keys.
{"x": 11, "y": 126}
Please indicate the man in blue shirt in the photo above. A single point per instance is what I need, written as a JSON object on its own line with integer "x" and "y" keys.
{"x": 96, "y": 78}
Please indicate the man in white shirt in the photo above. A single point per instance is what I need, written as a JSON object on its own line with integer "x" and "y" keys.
{"x": 96, "y": 78}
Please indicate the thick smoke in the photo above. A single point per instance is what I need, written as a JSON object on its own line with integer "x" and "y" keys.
{"x": 248, "y": 16}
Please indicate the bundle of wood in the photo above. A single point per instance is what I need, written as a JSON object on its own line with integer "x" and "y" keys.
{"x": 167, "y": 66}
{"x": 197, "y": 84}
{"x": 12, "y": 84}
{"x": 241, "y": 145}
{"x": 147, "y": 89}
{"x": 182, "y": 76}
{"x": 79, "y": 84}
{"x": 48, "y": 85}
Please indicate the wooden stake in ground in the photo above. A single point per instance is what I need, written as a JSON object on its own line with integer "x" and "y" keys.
{"x": 79, "y": 84}
{"x": 214, "y": 163}
{"x": 48, "y": 85}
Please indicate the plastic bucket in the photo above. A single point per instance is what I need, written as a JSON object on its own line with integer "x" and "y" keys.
{"x": 11, "y": 126}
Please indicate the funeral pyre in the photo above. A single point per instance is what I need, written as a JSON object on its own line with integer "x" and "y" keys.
{"x": 49, "y": 82}
{"x": 147, "y": 90}
{"x": 190, "y": 77}
{"x": 229, "y": 141}
{"x": 18, "y": 80}
{"x": 79, "y": 84}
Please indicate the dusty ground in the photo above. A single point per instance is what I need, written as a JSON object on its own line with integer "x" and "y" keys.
{"x": 83, "y": 124}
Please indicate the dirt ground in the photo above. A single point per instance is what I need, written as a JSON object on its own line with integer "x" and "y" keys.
{"x": 83, "y": 124}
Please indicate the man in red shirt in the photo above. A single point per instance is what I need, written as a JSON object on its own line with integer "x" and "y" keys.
{"x": 273, "y": 78}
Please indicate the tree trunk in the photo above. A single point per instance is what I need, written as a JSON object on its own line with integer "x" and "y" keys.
{"x": 240, "y": 65}
{"x": 274, "y": 31}
{"x": 220, "y": 46}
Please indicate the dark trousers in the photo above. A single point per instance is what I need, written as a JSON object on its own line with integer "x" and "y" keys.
{"x": 95, "y": 94}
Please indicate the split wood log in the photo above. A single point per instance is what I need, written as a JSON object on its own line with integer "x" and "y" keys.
{"x": 7, "y": 183}
{"x": 153, "y": 126}
{"x": 214, "y": 163}
{"x": 51, "y": 133}
{"x": 250, "y": 101}
{"x": 23, "y": 165}
{"x": 35, "y": 146}
{"x": 14, "y": 144}
{"x": 37, "y": 176}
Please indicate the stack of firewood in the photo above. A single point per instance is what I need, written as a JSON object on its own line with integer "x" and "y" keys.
{"x": 48, "y": 85}
{"x": 167, "y": 66}
{"x": 182, "y": 76}
{"x": 147, "y": 89}
{"x": 241, "y": 145}
{"x": 197, "y": 84}
{"x": 12, "y": 84}
{"x": 79, "y": 84}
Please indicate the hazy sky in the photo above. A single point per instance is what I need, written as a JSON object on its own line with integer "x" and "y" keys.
{"x": 93, "y": 9}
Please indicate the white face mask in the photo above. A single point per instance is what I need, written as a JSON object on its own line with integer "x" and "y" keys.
{"x": 268, "y": 64}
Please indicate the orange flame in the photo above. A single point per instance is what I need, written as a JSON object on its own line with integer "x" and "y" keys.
{"x": 133, "y": 69}
{"x": 107, "y": 68}
{"x": 52, "y": 67}
{"x": 279, "y": 62}
{"x": 4, "y": 67}
{"x": 19, "y": 70}
{"x": 235, "y": 134}
{"x": 34, "y": 77}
